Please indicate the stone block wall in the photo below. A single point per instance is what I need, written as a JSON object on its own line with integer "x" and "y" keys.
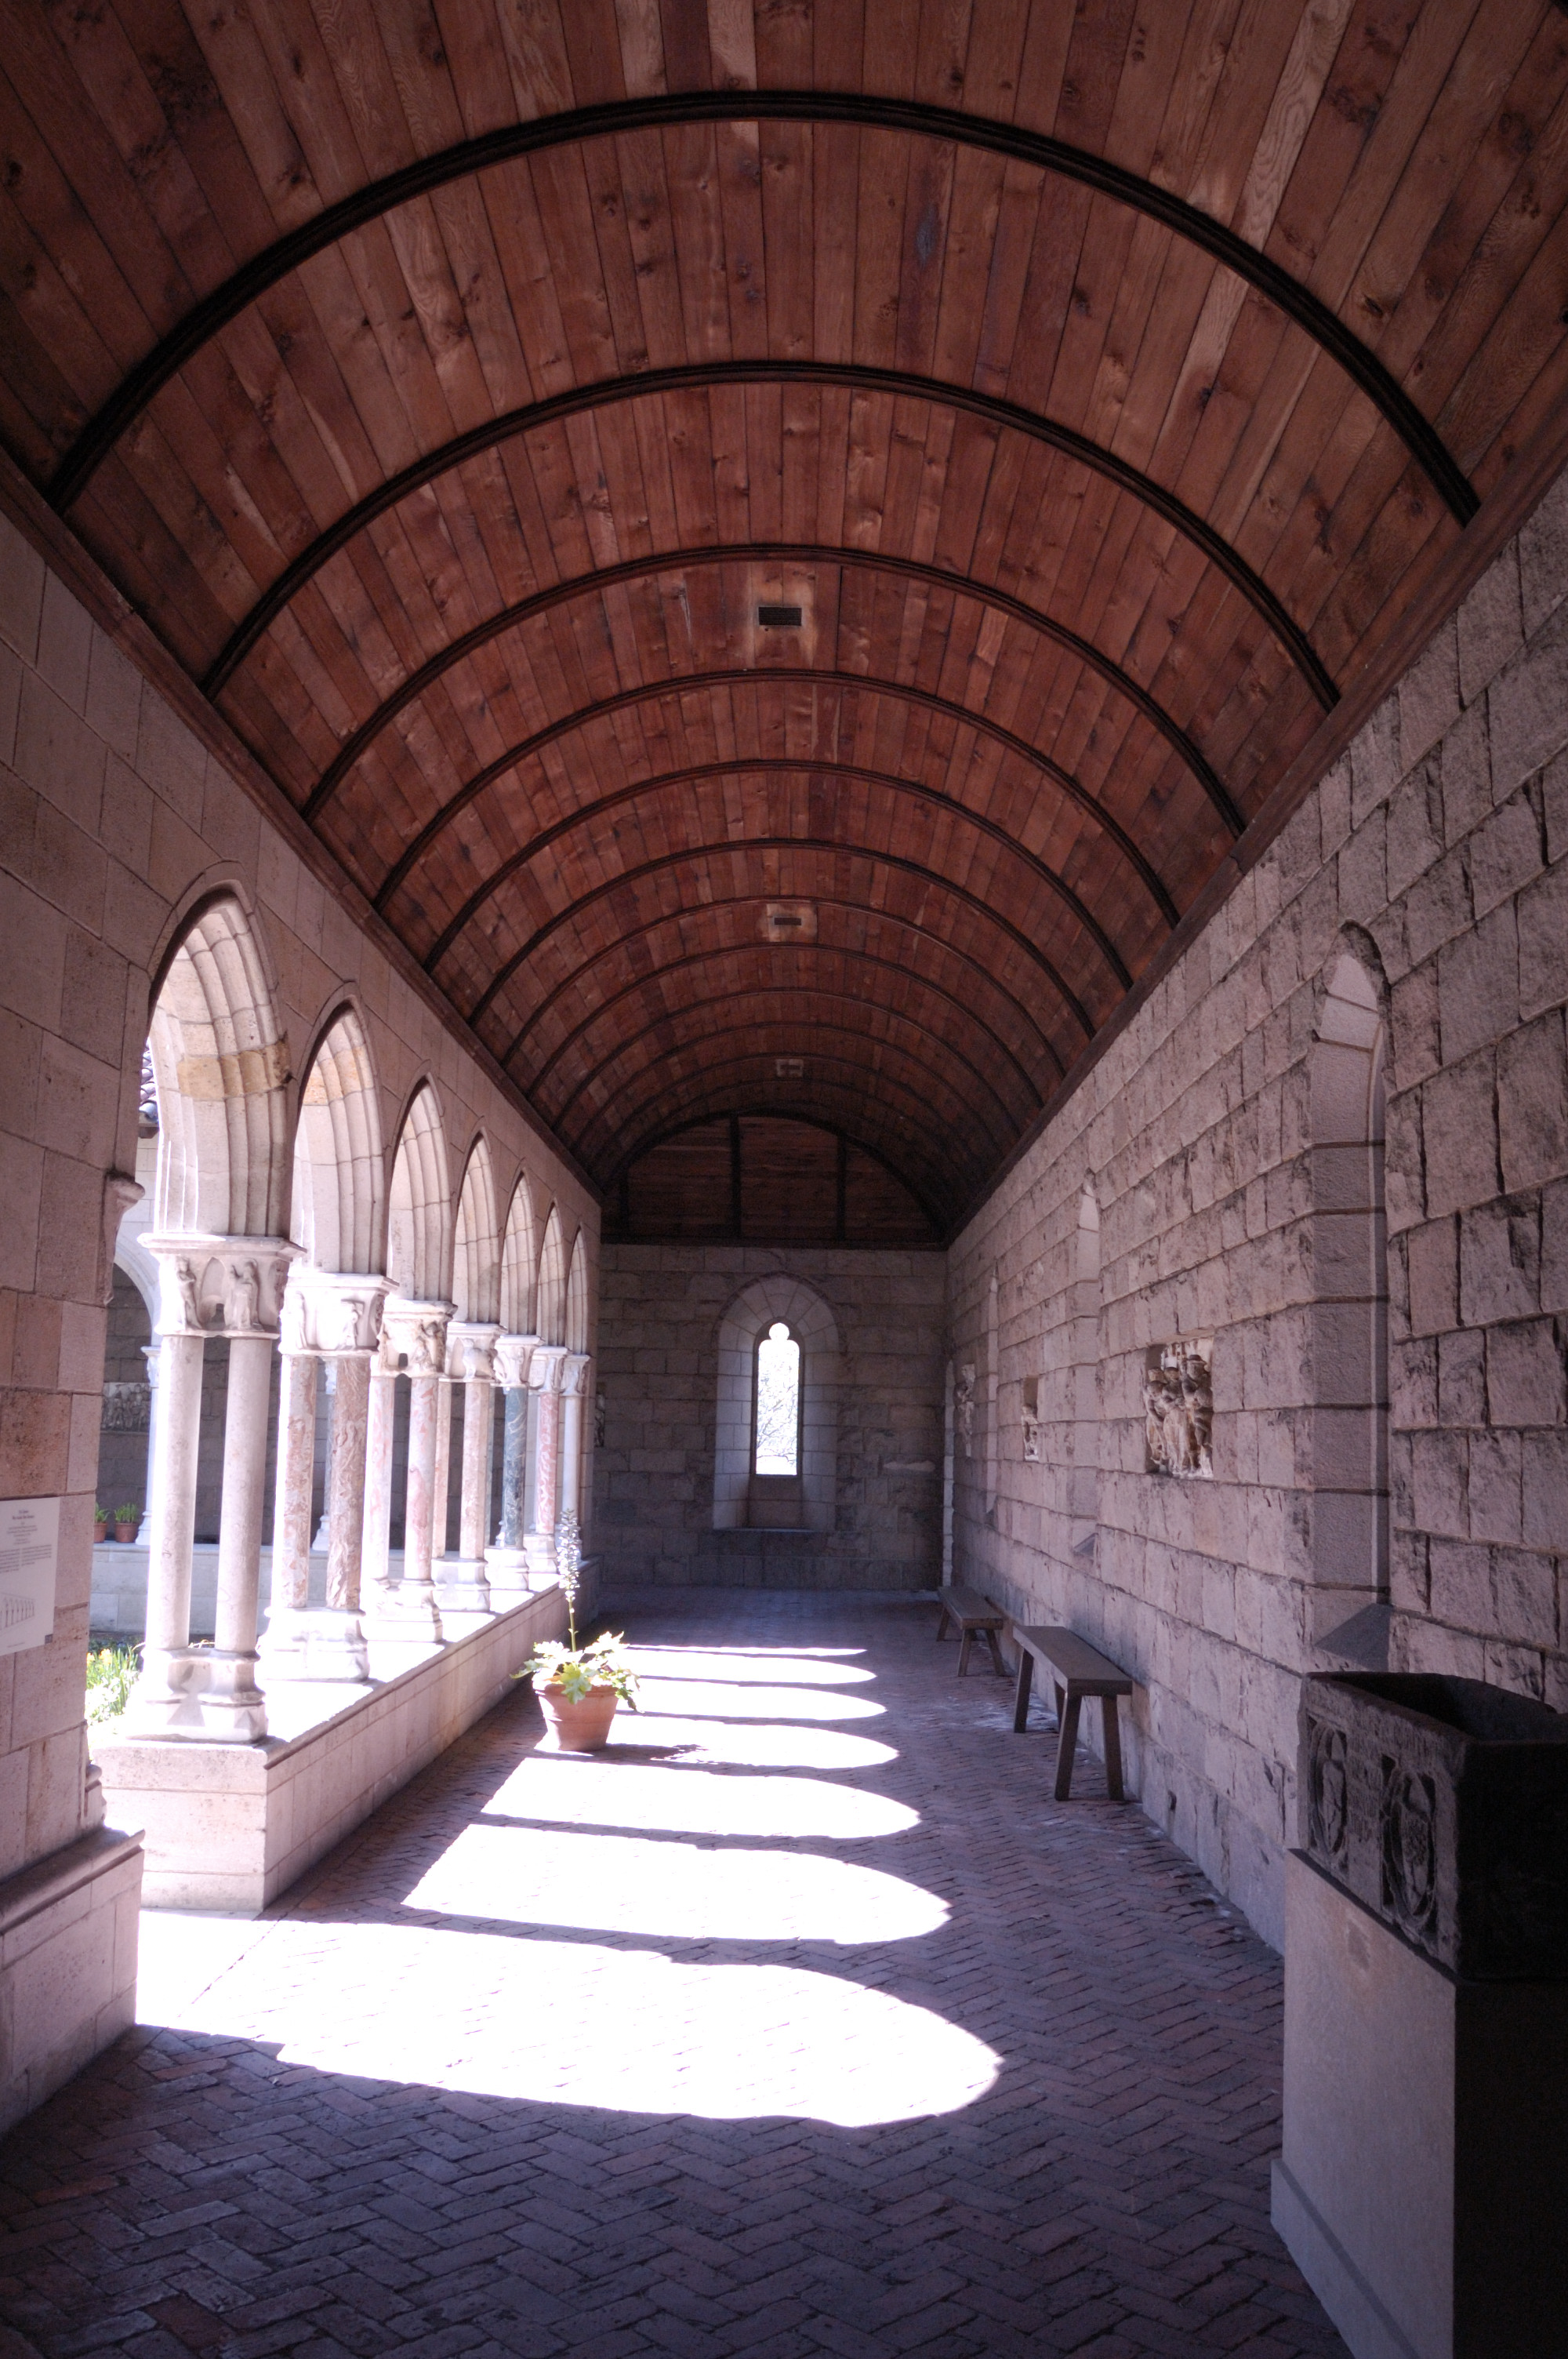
{"x": 660, "y": 1310}
{"x": 1185, "y": 1192}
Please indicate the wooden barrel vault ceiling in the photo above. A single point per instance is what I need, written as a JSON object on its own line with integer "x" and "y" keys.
{"x": 453, "y": 386}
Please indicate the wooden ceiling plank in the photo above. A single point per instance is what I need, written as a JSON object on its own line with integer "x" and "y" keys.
{"x": 737, "y": 148}
{"x": 879, "y": 248}
{"x": 787, "y": 197}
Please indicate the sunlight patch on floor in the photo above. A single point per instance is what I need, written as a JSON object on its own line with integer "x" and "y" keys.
{"x": 743, "y": 1744}
{"x": 692, "y": 1800}
{"x": 572, "y": 2023}
{"x": 806, "y": 1668}
{"x": 623, "y": 1883}
{"x": 730, "y": 1700}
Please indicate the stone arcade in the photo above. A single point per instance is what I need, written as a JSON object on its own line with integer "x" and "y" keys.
{"x": 687, "y": 680}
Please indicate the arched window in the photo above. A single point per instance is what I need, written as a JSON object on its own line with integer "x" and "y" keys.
{"x": 776, "y": 1448}
{"x": 776, "y": 1434}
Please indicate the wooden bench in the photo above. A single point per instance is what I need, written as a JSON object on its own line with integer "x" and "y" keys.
{"x": 976, "y": 1616}
{"x": 1077, "y": 1670}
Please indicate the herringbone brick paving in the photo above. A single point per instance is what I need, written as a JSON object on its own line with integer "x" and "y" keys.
{"x": 803, "y": 2023}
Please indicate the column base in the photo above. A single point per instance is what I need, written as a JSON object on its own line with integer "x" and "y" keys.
{"x": 506, "y": 1569}
{"x": 539, "y": 1547}
{"x": 462, "y": 1594}
{"x": 315, "y": 1642}
{"x": 205, "y": 1692}
{"x": 402, "y": 1625}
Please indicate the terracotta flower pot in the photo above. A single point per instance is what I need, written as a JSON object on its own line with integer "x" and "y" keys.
{"x": 580, "y": 1724}
{"x": 126, "y": 1531}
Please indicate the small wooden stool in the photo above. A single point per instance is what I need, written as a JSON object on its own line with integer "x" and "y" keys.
{"x": 1077, "y": 1669}
{"x": 976, "y": 1616}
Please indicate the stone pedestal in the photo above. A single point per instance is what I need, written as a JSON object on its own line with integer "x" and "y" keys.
{"x": 1423, "y": 2179}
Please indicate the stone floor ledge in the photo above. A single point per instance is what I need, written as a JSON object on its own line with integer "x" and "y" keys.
{"x": 231, "y": 1826}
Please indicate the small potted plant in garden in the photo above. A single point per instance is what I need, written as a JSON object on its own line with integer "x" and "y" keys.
{"x": 580, "y": 1687}
{"x": 127, "y": 1521}
{"x": 100, "y": 1523}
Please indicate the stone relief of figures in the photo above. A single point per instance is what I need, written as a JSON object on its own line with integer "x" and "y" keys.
{"x": 1178, "y": 1407}
{"x": 243, "y": 1315}
{"x": 190, "y": 1306}
{"x": 964, "y": 1406}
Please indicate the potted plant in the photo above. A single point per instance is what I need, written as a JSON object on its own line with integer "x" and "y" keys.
{"x": 580, "y": 1687}
{"x": 100, "y": 1523}
{"x": 127, "y": 1521}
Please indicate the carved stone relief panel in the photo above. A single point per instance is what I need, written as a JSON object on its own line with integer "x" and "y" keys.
{"x": 1178, "y": 1406}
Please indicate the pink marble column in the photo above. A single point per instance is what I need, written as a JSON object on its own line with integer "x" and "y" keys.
{"x": 544, "y": 1380}
{"x": 417, "y": 1332}
{"x": 233, "y": 1706}
{"x": 463, "y": 1587}
{"x": 291, "y": 1486}
{"x": 380, "y": 1414}
{"x": 211, "y": 1286}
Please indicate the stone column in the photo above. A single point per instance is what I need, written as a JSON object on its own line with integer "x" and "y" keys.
{"x": 209, "y": 1285}
{"x": 463, "y": 1589}
{"x": 407, "y": 1613}
{"x": 575, "y": 1371}
{"x": 333, "y": 1318}
{"x": 545, "y": 1382}
{"x": 508, "y": 1560}
{"x": 153, "y": 1355}
{"x": 441, "y": 1478}
{"x": 380, "y": 1416}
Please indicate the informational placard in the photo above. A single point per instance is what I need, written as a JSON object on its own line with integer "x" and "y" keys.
{"x": 29, "y": 1547}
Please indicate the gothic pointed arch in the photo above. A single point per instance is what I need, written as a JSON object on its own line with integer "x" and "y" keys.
{"x": 220, "y": 1065}
{"x": 520, "y": 1261}
{"x": 577, "y": 1315}
{"x": 419, "y": 1219}
{"x": 338, "y": 1209}
{"x": 476, "y": 1249}
{"x": 550, "y": 1301}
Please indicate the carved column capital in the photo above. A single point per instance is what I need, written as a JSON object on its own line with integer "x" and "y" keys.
{"x": 415, "y": 1333}
{"x": 472, "y": 1349}
{"x": 514, "y": 1358}
{"x": 221, "y": 1286}
{"x": 548, "y": 1367}
{"x": 332, "y": 1313}
{"x": 574, "y": 1374}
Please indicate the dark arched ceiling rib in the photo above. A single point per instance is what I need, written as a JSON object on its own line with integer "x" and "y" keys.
{"x": 944, "y": 124}
{"x": 772, "y": 1036}
{"x": 777, "y": 765}
{"x": 704, "y": 376}
{"x": 851, "y": 1139}
{"x": 650, "y": 691}
{"x": 653, "y": 976}
{"x": 802, "y": 995}
{"x": 936, "y": 1150}
{"x": 523, "y": 610}
{"x": 732, "y": 847}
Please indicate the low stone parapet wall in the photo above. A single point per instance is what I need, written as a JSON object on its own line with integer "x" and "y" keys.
{"x": 231, "y": 1826}
{"x": 67, "y": 1963}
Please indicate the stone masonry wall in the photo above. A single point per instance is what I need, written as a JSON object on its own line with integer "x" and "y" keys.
{"x": 114, "y": 820}
{"x": 1436, "y": 851}
{"x": 658, "y": 1375}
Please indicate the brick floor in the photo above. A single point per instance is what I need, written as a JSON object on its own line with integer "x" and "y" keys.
{"x": 801, "y": 2023}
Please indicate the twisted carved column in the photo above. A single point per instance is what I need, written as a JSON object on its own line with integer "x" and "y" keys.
{"x": 462, "y": 1588}
{"x": 507, "y": 1560}
{"x": 209, "y": 1286}
{"x": 544, "y": 1384}
{"x": 332, "y": 1317}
